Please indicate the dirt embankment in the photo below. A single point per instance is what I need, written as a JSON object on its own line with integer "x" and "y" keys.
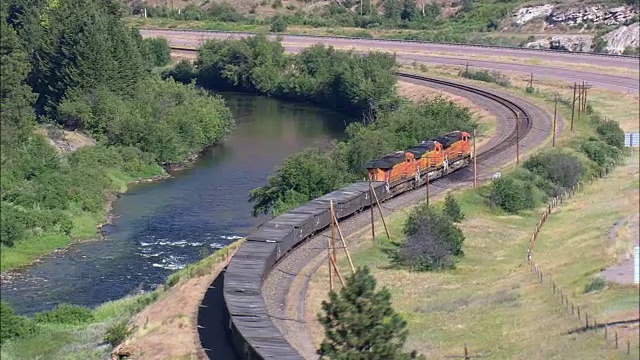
{"x": 167, "y": 329}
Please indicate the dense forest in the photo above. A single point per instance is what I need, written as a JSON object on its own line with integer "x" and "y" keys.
{"x": 74, "y": 65}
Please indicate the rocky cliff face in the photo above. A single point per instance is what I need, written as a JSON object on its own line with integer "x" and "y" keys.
{"x": 623, "y": 37}
{"x": 584, "y": 17}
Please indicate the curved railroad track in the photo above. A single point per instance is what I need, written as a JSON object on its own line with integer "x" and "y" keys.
{"x": 285, "y": 288}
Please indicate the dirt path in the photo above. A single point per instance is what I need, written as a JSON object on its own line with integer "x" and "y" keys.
{"x": 167, "y": 329}
{"x": 627, "y": 237}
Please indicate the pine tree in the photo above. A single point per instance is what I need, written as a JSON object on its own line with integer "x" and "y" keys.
{"x": 452, "y": 209}
{"x": 360, "y": 323}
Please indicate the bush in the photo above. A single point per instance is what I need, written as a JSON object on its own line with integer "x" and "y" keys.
{"x": 183, "y": 72}
{"x": 13, "y": 326}
{"x": 484, "y": 75}
{"x": 432, "y": 240}
{"x": 560, "y": 167}
{"x": 511, "y": 194}
{"x": 65, "y": 314}
{"x": 610, "y": 132}
{"x": 279, "y": 24}
{"x": 158, "y": 50}
{"x": 117, "y": 333}
{"x": 596, "y": 284}
{"x": 452, "y": 209}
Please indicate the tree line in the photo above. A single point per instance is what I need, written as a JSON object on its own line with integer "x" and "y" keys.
{"x": 73, "y": 64}
{"x": 363, "y": 86}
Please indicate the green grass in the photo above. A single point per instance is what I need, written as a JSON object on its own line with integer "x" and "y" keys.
{"x": 491, "y": 301}
{"x": 85, "y": 225}
{"x": 61, "y": 341}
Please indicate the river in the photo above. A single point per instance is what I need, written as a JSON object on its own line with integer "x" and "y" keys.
{"x": 160, "y": 227}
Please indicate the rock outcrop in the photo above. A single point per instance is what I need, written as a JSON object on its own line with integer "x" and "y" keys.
{"x": 580, "y": 15}
{"x": 623, "y": 37}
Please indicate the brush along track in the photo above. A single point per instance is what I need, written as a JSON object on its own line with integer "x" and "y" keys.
{"x": 285, "y": 289}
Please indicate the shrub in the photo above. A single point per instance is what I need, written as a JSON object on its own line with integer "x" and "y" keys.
{"x": 610, "y": 132}
{"x": 13, "y": 326}
{"x": 159, "y": 51}
{"x": 117, "y": 333}
{"x": 511, "y": 194}
{"x": 484, "y": 75}
{"x": 596, "y": 284}
{"x": 432, "y": 241}
{"x": 560, "y": 167}
{"x": 279, "y": 24}
{"x": 452, "y": 209}
{"x": 183, "y": 72}
{"x": 65, "y": 314}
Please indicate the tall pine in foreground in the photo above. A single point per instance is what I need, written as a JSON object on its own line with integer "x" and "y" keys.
{"x": 360, "y": 323}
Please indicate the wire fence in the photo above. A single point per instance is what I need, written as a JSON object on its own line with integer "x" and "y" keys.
{"x": 571, "y": 307}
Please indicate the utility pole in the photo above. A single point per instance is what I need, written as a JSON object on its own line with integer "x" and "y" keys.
{"x": 555, "y": 116}
{"x": 518, "y": 138}
{"x": 333, "y": 235}
{"x": 531, "y": 81}
{"x": 466, "y": 70}
{"x": 427, "y": 177}
{"x": 373, "y": 227}
{"x": 474, "y": 160}
{"x": 573, "y": 104}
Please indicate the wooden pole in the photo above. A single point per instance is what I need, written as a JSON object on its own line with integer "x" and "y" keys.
{"x": 329, "y": 262}
{"x": 555, "y": 115}
{"x": 427, "y": 180}
{"x": 344, "y": 244}
{"x": 573, "y": 105}
{"x": 531, "y": 81}
{"x": 584, "y": 101}
{"x": 381, "y": 216}
{"x": 475, "y": 169}
{"x": 335, "y": 267}
{"x": 466, "y": 71}
{"x": 333, "y": 235}
{"x": 373, "y": 227}
{"x": 518, "y": 138}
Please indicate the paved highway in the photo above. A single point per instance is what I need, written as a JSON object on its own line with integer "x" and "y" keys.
{"x": 410, "y": 52}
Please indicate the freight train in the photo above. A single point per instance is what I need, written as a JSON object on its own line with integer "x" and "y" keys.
{"x": 252, "y": 332}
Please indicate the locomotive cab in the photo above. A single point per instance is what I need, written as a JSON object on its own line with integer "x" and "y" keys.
{"x": 392, "y": 167}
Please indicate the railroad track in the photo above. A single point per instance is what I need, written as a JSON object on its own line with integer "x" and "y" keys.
{"x": 285, "y": 288}
{"x": 344, "y": 37}
{"x": 286, "y": 313}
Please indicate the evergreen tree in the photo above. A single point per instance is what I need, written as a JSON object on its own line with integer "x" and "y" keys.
{"x": 360, "y": 323}
{"x": 452, "y": 209}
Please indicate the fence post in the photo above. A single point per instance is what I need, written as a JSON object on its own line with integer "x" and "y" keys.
{"x": 586, "y": 320}
{"x": 578, "y": 312}
{"x": 616, "y": 339}
{"x": 605, "y": 332}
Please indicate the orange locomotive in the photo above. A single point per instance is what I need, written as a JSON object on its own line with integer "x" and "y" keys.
{"x": 434, "y": 158}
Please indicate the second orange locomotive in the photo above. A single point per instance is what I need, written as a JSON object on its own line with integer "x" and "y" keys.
{"x": 431, "y": 158}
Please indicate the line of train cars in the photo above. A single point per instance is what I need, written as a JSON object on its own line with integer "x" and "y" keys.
{"x": 253, "y": 333}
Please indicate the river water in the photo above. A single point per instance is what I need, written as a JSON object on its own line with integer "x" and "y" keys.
{"x": 160, "y": 227}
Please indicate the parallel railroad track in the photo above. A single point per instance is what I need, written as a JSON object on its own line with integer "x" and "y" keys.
{"x": 343, "y": 37}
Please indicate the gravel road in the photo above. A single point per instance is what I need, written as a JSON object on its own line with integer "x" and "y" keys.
{"x": 284, "y": 291}
{"x": 294, "y": 43}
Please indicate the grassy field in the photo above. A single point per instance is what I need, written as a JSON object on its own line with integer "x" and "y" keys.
{"x": 492, "y": 301}
{"x": 84, "y": 342}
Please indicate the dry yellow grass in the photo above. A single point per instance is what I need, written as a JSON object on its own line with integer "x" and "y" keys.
{"x": 492, "y": 301}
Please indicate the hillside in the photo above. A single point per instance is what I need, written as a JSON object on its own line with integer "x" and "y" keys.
{"x": 595, "y": 25}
